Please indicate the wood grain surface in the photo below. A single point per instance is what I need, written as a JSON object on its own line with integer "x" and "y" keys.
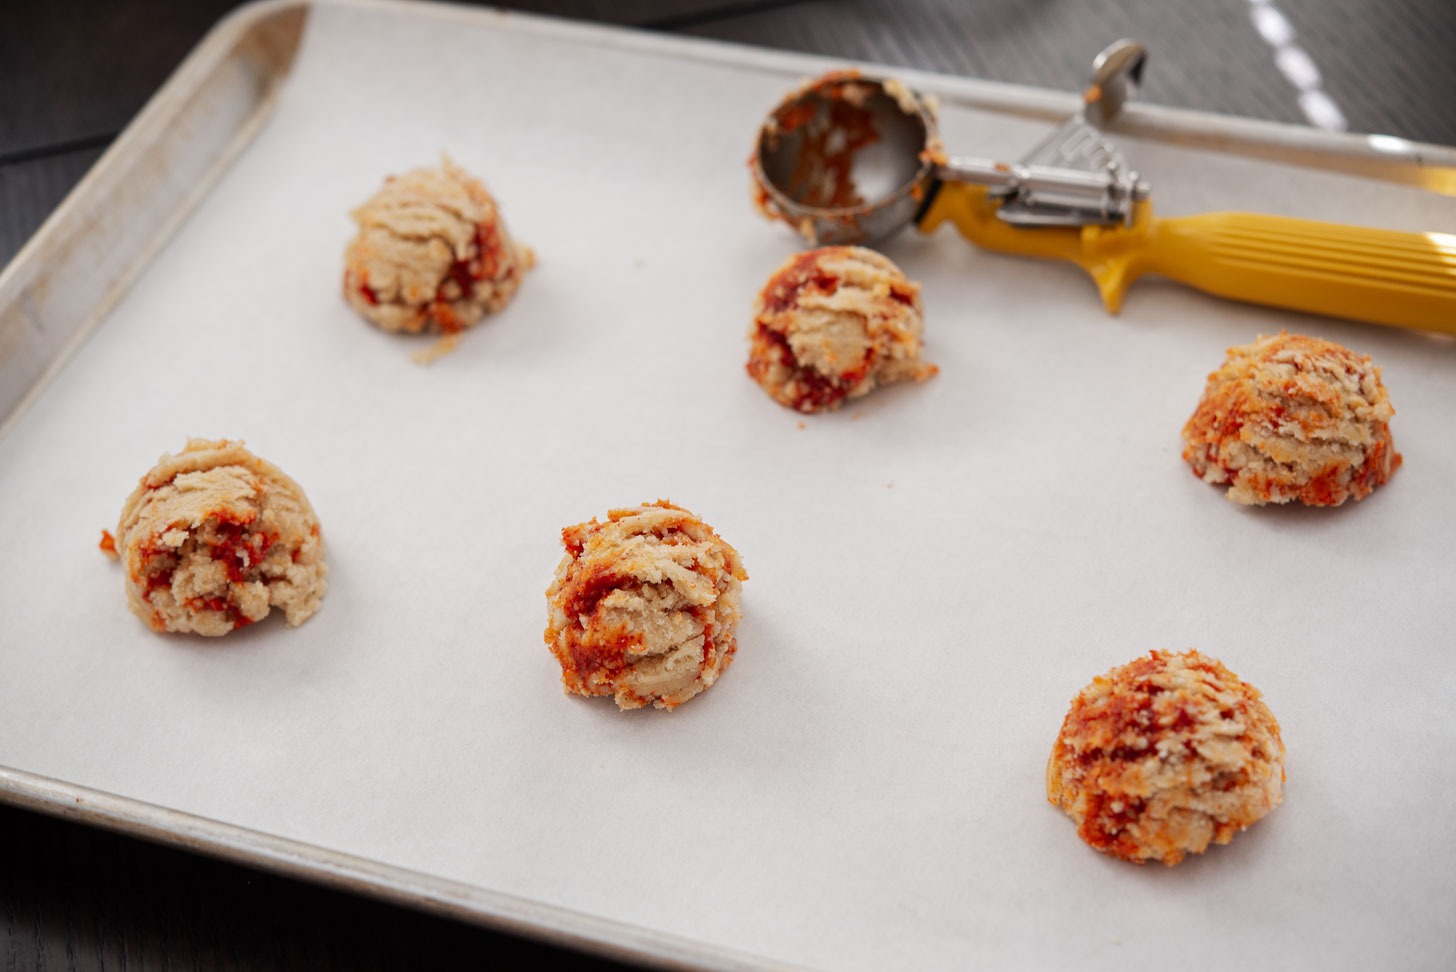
{"x": 73, "y": 73}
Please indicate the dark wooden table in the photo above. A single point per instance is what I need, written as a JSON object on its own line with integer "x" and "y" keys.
{"x": 73, "y": 73}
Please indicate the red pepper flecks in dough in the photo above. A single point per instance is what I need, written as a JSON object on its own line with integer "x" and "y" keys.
{"x": 1163, "y": 756}
{"x": 432, "y": 254}
{"x": 214, "y": 538}
{"x": 1293, "y": 418}
{"x": 365, "y": 291}
{"x": 807, "y": 390}
{"x": 445, "y": 318}
{"x": 833, "y": 324}
{"x": 801, "y": 272}
{"x": 643, "y": 606}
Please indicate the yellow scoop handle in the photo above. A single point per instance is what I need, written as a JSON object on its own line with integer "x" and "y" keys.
{"x": 1379, "y": 276}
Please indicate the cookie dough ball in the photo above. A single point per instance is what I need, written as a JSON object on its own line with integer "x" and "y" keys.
{"x": 214, "y": 537}
{"x": 432, "y": 254}
{"x": 643, "y": 606}
{"x": 833, "y": 324}
{"x": 1293, "y": 418}
{"x": 1165, "y": 755}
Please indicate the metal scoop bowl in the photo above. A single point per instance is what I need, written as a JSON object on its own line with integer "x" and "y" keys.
{"x": 849, "y": 159}
{"x": 844, "y": 160}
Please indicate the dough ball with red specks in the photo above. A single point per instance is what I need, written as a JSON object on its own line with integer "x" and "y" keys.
{"x": 1163, "y": 756}
{"x": 833, "y": 324}
{"x": 644, "y": 606}
{"x": 214, "y": 538}
{"x": 1293, "y": 418}
{"x": 432, "y": 254}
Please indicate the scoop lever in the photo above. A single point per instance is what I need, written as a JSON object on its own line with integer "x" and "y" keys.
{"x": 1073, "y": 197}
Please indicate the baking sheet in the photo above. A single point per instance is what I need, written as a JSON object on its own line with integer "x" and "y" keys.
{"x": 934, "y": 571}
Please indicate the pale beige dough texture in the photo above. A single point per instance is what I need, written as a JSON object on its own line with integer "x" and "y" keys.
{"x": 834, "y": 324}
{"x": 1293, "y": 418}
{"x": 214, "y": 537}
{"x": 432, "y": 254}
{"x": 1163, "y": 756}
{"x": 644, "y": 606}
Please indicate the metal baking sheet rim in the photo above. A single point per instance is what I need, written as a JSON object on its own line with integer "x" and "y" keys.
{"x": 358, "y": 875}
{"x": 256, "y": 45}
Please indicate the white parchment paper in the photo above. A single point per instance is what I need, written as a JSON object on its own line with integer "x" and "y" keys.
{"x": 934, "y": 571}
